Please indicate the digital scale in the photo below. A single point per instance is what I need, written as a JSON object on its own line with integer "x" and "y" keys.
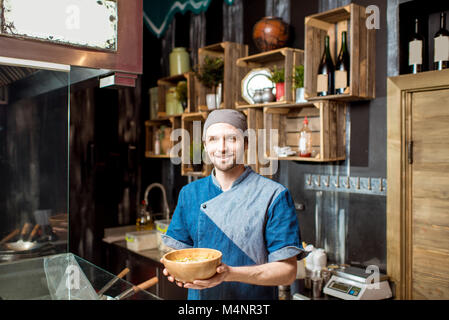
{"x": 355, "y": 284}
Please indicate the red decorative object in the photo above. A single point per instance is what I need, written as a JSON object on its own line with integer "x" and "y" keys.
{"x": 270, "y": 33}
{"x": 280, "y": 91}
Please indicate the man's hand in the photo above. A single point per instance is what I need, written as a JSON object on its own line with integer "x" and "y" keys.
{"x": 170, "y": 277}
{"x": 222, "y": 272}
{"x": 221, "y": 275}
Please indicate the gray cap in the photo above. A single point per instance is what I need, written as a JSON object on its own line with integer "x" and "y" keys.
{"x": 230, "y": 116}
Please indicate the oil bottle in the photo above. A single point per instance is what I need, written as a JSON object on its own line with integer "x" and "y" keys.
{"x": 143, "y": 220}
{"x": 305, "y": 140}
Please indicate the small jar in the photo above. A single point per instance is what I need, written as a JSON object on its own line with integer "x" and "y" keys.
{"x": 268, "y": 95}
{"x": 179, "y": 61}
{"x": 172, "y": 104}
{"x": 258, "y": 96}
{"x": 157, "y": 143}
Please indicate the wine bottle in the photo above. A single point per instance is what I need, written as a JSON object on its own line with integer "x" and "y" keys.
{"x": 325, "y": 80}
{"x": 416, "y": 50}
{"x": 342, "y": 67}
{"x": 441, "y": 45}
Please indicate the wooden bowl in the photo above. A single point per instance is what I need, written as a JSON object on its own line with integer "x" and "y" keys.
{"x": 187, "y": 271}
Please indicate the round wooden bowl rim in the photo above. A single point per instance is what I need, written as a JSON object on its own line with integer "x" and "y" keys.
{"x": 192, "y": 262}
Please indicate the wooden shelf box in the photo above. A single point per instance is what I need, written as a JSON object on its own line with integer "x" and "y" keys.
{"x": 255, "y": 157}
{"x": 276, "y": 104}
{"x": 326, "y": 121}
{"x": 229, "y": 52}
{"x": 286, "y": 58}
{"x": 189, "y": 133}
{"x": 151, "y": 127}
{"x": 164, "y": 84}
{"x": 360, "y": 40}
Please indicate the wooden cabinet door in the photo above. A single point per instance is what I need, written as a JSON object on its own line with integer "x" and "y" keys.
{"x": 418, "y": 185}
{"x": 428, "y": 195}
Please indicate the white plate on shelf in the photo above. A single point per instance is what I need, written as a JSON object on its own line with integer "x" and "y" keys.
{"x": 255, "y": 79}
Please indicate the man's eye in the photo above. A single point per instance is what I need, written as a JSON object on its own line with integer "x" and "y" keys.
{"x": 231, "y": 139}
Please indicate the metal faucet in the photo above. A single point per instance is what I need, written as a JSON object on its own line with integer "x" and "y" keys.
{"x": 148, "y": 189}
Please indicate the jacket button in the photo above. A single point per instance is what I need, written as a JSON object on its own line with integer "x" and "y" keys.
{"x": 204, "y": 206}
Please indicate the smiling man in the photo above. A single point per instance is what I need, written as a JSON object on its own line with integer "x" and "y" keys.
{"x": 249, "y": 218}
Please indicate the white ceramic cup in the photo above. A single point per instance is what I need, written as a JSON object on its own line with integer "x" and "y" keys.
{"x": 211, "y": 101}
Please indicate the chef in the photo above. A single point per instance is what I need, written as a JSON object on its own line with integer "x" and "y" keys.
{"x": 249, "y": 218}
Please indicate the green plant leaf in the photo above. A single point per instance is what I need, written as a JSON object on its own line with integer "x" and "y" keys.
{"x": 181, "y": 91}
{"x": 211, "y": 72}
{"x": 277, "y": 75}
{"x": 298, "y": 77}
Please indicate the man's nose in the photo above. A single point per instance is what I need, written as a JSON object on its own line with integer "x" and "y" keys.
{"x": 223, "y": 145}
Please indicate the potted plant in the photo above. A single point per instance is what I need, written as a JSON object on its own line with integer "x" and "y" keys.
{"x": 278, "y": 77}
{"x": 211, "y": 74}
{"x": 298, "y": 83}
{"x": 196, "y": 148}
{"x": 181, "y": 93}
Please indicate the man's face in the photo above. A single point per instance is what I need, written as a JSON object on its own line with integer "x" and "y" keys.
{"x": 225, "y": 146}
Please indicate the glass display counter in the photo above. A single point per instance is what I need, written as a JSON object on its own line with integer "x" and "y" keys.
{"x": 34, "y": 140}
{"x": 64, "y": 277}
{"x": 35, "y": 262}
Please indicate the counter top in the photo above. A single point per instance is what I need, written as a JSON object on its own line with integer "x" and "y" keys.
{"x": 116, "y": 236}
{"x": 143, "y": 264}
{"x": 153, "y": 254}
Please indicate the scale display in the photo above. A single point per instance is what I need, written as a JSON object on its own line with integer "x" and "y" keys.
{"x": 343, "y": 287}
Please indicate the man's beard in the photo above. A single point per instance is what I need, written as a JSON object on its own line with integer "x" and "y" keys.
{"x": 228, "y": 165}
{"x": 225, "y": 166}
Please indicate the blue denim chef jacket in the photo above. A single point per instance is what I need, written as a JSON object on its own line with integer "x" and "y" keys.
{"x": 254, "y": 222}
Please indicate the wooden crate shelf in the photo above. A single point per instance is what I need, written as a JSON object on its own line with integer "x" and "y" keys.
{"x": 278, "y": 104}
{"x": 164, "y": 84}
{"x": 229, "y": 52}
{"x": 361, "y": 42}
{"x": 149, "y": 154}
{"x": 189, "y": 133}
{"x": 151, "y": 127}
{"x": 326, "y": 121}
{"x": 286, "y": 58}
{"x": 255, "y": 157}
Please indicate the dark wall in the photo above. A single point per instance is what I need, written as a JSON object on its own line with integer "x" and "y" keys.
{"x": 158, "y": 170}
{"x": 253, "y": 11}
{"x": 105, "y": 167}
{"x": 83, "y": 218}
{"x": 429, "y": 24}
